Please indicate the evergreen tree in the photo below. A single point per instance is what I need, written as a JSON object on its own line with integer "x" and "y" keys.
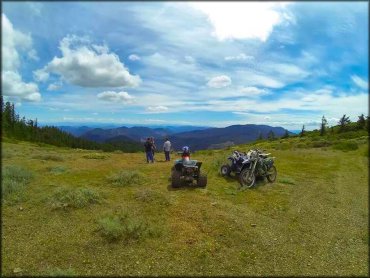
{"x": 361, "y": 123}
{"x": 343, "y": 123}
{"x": 323, "y": 126}
{"x": 303, "y": 131}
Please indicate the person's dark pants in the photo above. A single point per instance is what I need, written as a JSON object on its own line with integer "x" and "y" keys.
{"x": 167, "y": 155}
{"x": 149, "y": 157}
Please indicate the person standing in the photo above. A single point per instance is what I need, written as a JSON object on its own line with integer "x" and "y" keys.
{"x": 167, "y": 149}
{"x": 149, "y": 150}
{"x": 153, "y": 146}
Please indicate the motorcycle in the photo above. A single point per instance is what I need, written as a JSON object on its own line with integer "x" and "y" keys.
{"x": 237, "y": 160}
{"x": 249, "y": 166}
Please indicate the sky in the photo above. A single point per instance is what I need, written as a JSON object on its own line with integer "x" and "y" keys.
{"x": 186, "y": 63}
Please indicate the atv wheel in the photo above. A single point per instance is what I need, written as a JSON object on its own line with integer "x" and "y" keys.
{"x": 225, "y": 170}
{"x": 247, "y": 178}
{"x": 175, "y": 179}
{"x": 202, "y": 181}
{"x": 272, "y": 173}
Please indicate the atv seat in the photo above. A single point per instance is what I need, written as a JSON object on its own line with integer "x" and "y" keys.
{"x": 190, "y": 163}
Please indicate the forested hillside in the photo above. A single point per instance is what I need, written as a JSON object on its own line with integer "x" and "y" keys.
{"x": 13, "y": 126}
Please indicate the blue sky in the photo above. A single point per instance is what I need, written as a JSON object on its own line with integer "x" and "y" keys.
{"x": 188, "y": 63}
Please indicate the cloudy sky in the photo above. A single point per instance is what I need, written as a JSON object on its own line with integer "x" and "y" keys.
{"x": 198, "y": 63}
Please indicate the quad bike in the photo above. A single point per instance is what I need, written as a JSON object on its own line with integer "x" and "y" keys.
{"x": 187, "y": 172}
{"x": 249, "y": 166}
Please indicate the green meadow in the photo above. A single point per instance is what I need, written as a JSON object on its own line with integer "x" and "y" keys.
{"x": 76, "y": 212}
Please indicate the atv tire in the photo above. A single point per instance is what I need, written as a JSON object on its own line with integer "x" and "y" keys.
{"x": 175, "y": 179}
{"x": 202, "y": 181}
{"x": 271, "y": 177}
{"x": 225, "y": 170}
{"x": 247, "y": 178}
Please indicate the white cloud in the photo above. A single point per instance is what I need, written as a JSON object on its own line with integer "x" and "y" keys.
{"x": 243, "y": 20}
{"x": 40, "y": 75}
{"x": 159, "y": 108}
{"x": 54, "y": 86}
{"x": 13, "y": 86}
{"x": 32, "y": 54}
{"x": 219, "y": 81}
{"x": 251, "y": 78}
{"x": 14, "y": 41}
{"x": 189, "y": 59}
{"x": 121, "y": 97}
{"x": 240, "y": 57}
{"x": 253, "y": 91}
{"x": 360, "y": 82}
{"x": 134, "y": 57}
{"x": 90, "y": 65}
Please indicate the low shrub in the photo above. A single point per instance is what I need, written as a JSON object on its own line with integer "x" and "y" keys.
{"x": 95, "y": 156}
{"x": 57, "y": 170}
{"x": 122, "y": 227}
{"x": 74, "y": 198}
{"x": 14, "y": 180}
{"x": 51, "y": 157}
{"x": 321, "y": 143}
{"x": 346, "y": 146}
{"x": 126, "y": 177}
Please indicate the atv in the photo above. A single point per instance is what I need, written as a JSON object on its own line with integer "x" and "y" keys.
{"x": 187, "y": 172}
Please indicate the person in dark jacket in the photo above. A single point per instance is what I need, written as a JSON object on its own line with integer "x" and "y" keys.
{"x": 149, "y": 150}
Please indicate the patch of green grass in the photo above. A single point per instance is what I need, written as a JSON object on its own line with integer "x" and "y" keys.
{"x": 14, "y": 181}
{"x": 74, "y": 198}
{"x": 57, "y": 272}
{"x": 287, "y": 180}
{"x": 57, "y": 169}
{"x": 95, "y": 156}
{"x": 121, "y": 226}
{"x": 346, "y": 146}
{"x": 126, "y": 177}
{"x": 321, "y": 143}
{"x": 6, "y": 154}
{"x": 51, "y": 157}
{"x": 151, "y": 196}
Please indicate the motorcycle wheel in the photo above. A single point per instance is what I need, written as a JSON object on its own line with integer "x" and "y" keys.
{"x": 225, "y": 170}
{"x": 247, "y": 178}
{"x": 272, "y": 173}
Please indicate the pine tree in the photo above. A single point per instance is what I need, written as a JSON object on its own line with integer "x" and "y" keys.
{"x": 343, "y": 123}
{"x": 323, "y": 126}
{"x": 303, "y": 131}
{"x": 361, "y": 123}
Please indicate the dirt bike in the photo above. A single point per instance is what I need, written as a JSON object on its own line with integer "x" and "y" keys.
{"x": 249, "y": 166}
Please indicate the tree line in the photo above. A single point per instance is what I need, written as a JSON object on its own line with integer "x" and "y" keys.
{"x": 13, "y": 126}
{"x": 344, "y": 125}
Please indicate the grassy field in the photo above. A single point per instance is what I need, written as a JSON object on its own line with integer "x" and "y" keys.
{"x": 77, "y": 212}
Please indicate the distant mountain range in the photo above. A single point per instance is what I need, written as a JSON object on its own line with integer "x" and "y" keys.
{"x": 196, "y": 138}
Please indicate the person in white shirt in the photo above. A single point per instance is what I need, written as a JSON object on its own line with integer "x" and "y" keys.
{"x": 167, "y": 149}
